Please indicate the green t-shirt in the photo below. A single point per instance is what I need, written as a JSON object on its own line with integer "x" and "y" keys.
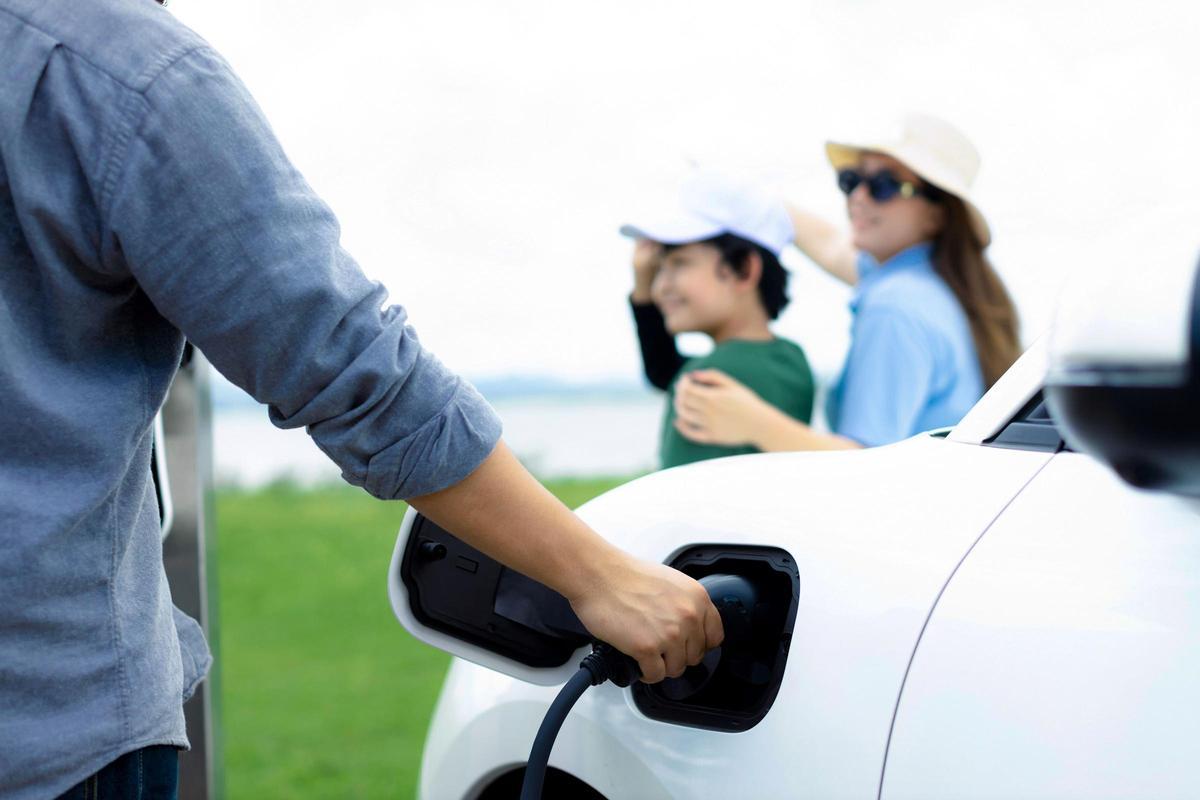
{"x": 776, "y": 371}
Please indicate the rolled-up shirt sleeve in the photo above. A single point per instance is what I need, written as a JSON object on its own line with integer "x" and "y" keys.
{"x": 229, "y": 243}
{"x": 888, "y": 375}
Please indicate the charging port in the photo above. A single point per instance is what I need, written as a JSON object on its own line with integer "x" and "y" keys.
{"x": 734, "y": 687}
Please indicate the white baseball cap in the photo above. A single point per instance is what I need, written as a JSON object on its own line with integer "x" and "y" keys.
{"x": 710, "y": 204}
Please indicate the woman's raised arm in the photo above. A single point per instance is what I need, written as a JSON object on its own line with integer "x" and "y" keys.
{"x": 829, "y": 247}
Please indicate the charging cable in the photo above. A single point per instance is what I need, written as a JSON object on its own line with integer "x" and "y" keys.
{"x": 604, "y": 663}
{"x": 734, "y": 597}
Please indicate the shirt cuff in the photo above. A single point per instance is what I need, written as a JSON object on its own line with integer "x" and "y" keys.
{"x": 439, "y": 454}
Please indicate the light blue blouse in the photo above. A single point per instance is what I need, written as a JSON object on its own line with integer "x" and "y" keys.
{"x": 912, "y": 364}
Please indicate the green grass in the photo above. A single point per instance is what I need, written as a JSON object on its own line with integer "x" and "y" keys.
{"x": 323, "y": 693}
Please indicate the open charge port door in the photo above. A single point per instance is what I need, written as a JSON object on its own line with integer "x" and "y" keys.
{"x": 457, "y": 590}
{"x": 450, "y": 595}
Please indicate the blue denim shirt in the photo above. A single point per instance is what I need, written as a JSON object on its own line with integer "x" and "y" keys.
{"x": 912, "y": 364}
{"x": 143, "y": 198}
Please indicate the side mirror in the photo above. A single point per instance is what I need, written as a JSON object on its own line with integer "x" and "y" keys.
{"x": 1124, "y": 376}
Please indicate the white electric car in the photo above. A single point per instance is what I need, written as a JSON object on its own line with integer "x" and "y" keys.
{"x": 992, "y": 611}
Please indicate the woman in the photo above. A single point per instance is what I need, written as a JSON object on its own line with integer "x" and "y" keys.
{"x": 933, "y": 325}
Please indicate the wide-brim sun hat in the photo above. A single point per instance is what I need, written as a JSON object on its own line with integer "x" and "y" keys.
{"x": 934, "y": 149}
{"x": 710, "y": 203}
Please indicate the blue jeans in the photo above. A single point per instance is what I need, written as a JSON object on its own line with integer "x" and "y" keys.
{"x": 151, "y": 773}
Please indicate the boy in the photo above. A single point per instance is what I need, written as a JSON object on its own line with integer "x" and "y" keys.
{"x": 711, "y": 265}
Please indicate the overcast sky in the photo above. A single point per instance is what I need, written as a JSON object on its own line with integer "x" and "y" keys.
{"x": 481, "y": 155}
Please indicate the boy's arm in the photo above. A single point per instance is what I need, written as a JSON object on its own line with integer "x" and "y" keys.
{"x": 656, "y": 614}
{"x": 661, "y": 359}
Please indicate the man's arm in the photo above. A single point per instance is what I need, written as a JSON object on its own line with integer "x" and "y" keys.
{"x": 229, "y": 243}
{"x": 654, "y": 613}
{"x": 206, "y": 213}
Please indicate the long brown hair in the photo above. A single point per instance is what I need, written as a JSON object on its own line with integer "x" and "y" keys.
{"x": 959, "y": 259}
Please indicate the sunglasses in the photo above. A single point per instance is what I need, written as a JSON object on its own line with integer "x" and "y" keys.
{"x": 883, "y": 185}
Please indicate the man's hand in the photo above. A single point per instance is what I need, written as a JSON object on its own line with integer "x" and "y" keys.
{"x": 655, "y": 614}
{"x": 647, "y": 258}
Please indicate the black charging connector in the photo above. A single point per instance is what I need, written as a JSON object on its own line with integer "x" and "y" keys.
{"x": 734, "y": 598}
{"x": 610, "y": 664}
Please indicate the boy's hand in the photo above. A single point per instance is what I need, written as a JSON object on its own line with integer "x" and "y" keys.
{"x": 647, "y": 257}
{"x": 713, "y": 408}
{"x": 657, "y": 615}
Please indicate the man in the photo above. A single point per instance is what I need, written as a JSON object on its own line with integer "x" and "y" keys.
{"x": 144, "y": 198}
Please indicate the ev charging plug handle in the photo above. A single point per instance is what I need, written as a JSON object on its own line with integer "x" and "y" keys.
{"x": 734, "y": 598}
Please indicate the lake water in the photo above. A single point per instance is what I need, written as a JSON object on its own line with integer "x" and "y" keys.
{"x": 554, "y": 437}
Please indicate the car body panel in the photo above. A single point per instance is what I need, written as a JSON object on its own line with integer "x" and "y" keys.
{"x": 485, "y": 723}
{"x": 973, "y": 621}
{"x": 875, "y": 534}
{"x": 1062, "y": 660}
{"x": 1016, "y": 387}
{"x": 844, "y": 489}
